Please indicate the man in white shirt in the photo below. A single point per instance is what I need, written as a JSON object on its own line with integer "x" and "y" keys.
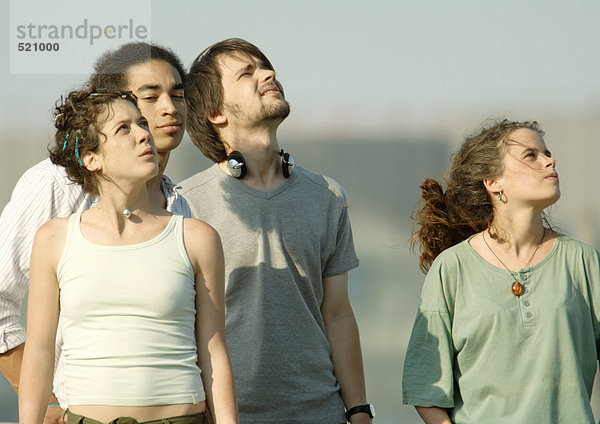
{"x": 156, "y": 76}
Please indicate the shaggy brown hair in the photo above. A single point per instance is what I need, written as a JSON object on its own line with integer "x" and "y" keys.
{"x": 78, "y": 122}
{"x": 465, "y": 208}
{"x": 204, "y": 93}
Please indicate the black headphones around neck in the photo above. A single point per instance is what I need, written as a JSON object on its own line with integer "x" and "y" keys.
{"x": 237, "y": 164}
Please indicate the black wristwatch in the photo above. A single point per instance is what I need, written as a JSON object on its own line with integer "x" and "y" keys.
{"x": 367, "y": 409}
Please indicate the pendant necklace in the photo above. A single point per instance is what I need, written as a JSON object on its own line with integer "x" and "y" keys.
{"x": 516, "y": 288}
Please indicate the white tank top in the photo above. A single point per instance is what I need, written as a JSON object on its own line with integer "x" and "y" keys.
{"x": 128, "y": 320}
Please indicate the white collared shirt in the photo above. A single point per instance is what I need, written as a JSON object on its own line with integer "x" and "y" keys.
{"x": 42, "y": 193}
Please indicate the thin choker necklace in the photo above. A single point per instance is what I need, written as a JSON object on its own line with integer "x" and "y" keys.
{"x": 516, "y": 288}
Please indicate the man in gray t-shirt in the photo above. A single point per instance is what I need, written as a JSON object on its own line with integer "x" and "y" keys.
{"x": 291, "y": 332}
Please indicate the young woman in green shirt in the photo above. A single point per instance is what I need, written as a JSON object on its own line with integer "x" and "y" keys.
{"x": 508, "y": 325}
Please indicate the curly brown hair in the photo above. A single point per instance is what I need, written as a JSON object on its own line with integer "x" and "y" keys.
{"x": 465, "y": 208}
{"x": 77, "y": 119}
{"x": 204, "y": 93}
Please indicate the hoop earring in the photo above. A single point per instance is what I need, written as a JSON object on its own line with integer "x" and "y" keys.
{"x": 500, "y": 196}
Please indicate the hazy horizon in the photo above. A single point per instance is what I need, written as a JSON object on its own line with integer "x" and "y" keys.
{"x": 381, "y": 93}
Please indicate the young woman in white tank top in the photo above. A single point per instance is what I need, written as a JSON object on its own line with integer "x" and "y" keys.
{"x": 140, "y": 292}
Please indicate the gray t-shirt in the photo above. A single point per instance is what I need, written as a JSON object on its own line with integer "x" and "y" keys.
{"x": 278, "y": 247}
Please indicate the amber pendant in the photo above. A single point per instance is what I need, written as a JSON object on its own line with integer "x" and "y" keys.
{"x": 516, "y": 288}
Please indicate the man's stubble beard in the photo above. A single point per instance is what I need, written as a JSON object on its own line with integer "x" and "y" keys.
{"x": 272, "y": 112}
{"x": 275, "y": 112}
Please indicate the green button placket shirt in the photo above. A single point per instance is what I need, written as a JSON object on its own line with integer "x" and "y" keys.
{"x": 492, "y": 357}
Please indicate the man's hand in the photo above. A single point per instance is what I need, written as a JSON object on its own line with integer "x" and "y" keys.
{"x": 54, "y": 415}
{"x": 360, "y": 419}
{"x": 10, "y": 365}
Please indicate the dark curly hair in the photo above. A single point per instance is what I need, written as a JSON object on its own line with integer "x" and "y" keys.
{"x": 110, "y": 70}
{"x": 464, "y": 208}
{"x": 77, "y": 121}
{"x": 204, "y": 93}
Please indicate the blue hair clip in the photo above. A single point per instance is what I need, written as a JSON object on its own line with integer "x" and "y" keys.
{"x": 77, "y": 150}
{"x": 65, "y": 143}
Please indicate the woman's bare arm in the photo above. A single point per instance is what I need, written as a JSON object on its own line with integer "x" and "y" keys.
{"x": 206, "y": 254}
{"x": 35, "y": 384}
{"x": 433, "y": 415}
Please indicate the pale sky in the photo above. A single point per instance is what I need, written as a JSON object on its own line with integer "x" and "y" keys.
{"x": 367, "y": 64}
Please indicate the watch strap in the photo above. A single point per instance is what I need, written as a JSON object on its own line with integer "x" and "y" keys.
{"x": 359, "y": 408}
